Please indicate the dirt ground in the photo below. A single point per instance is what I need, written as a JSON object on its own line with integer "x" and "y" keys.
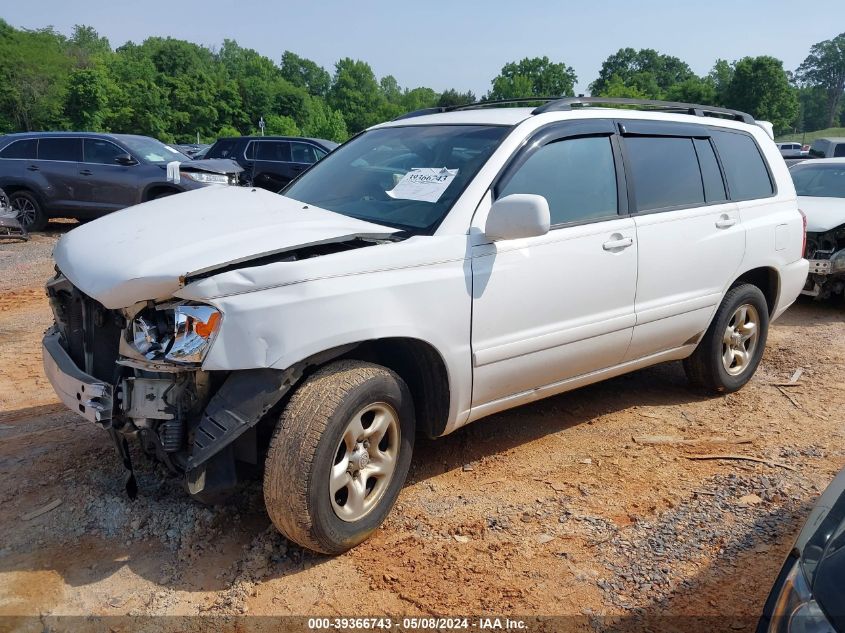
{"x": 560, "y": 508}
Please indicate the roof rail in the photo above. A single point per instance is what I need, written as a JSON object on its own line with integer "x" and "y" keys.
{"x": 567, "y": 103}
{"x": 472, "y": 106}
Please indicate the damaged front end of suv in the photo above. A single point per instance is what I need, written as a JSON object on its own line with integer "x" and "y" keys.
{"x": 820, "y": 185}
{"x": 826, "y": 254}
{"x": 138, "y": 371}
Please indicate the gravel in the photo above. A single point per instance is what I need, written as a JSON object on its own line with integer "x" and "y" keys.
{"x": 647, "y": 559}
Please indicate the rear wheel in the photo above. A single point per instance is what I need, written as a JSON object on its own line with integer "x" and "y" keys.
{"x": 730, "y": 352}
{"x": 340, "y": 455}
{"x": 30, "y": 213}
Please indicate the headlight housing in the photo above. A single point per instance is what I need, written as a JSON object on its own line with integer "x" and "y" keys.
{"x": 795, "y": 610}
{"x": 206, "y": 178}
{"x": 181, "y": 334}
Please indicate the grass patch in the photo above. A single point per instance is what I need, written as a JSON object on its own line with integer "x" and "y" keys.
{"x": 809, "y": 137}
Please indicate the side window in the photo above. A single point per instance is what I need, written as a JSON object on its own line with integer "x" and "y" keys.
{"x": 249, "y": 152}
{"x": 276, "y": 151}
{"x": 321, "y": 153}
{"x": 747, "y": 175}
{"x": 66, "y": 149}
{"x": 839, "y": 152}
{"x": 26, "y": 148}
{"x": 302, "y": 153}
{"x": 711, "y": 175}
{"x": 576, "y": 176}
{"x": 664, "y": 171}
{"x": 100, "y": 152}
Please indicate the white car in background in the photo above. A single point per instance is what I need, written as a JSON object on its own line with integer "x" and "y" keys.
{"x": 820, "y": 185}
{"x": 791, "y": 149}
{"x": 432, "y": 271}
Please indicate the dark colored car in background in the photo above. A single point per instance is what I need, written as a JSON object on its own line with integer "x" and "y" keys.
{"x": 85, "y": 175}
{"x": 809, "y": 594}
{"x": 271, "y": 162}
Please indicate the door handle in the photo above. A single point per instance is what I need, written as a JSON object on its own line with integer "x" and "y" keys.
{"x": 617, "y": 243}
{"x": 85, "y": 172}
{"x": 33, "y": 168}
{"x": 725, "y": 221}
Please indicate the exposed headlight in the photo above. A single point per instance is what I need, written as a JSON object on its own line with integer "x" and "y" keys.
{"x": 206, "y": 178}
{"x": 795, "y": 610}
{"x": 179, "y": 335}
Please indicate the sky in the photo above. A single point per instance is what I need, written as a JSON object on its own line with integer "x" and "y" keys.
{"x": 460, "y": 44}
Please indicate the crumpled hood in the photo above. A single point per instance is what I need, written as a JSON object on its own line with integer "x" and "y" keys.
{"x": 823, "y": 214}
{"x": 145, "y": 251}
{"x": 212, "y": 165}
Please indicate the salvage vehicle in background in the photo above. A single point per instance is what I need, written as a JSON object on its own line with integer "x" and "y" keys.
{"x": 809, "y": 593}
{"x": 430, "y": 272}
{"x": 820, "y": 185}
{"x": 271, "y": 162}
{"x": 791, "y": 149}
{"x": 86, "y": 175}
{"x": 10, "y": 226}
{"x": 828, "y": 148}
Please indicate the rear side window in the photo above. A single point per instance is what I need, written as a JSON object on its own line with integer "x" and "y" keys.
{"x": 665, "y": 172}
{"x": 745, "y": 170}
{"x": 26, "y": 148}
{"x": 276, "y": 151}
{"x": 67, "y": 149}
{"x": 711, "y": 175}
{"x": 577, "y": 177}
{"x": 839, "y": 152}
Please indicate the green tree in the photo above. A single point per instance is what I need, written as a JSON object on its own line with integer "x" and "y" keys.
{"x": 323, "y": 122}
{"x": 305, "y": 73}
{"x": 647, "y": 71}
{"x": 825, "y": 68}
{"x": 87, "y": 102}
{"x": 615, "y": 88}
{"x": 694, "y": 90}
{"x": 452, "y": 97}
{"x": 533, "y": 77}
{"x": 34, "y": 71}
{"x": 721, "y": 75}
{"x": 355, "y": 94}
{"x": 813, "y": 112}
{"x": 279, "y": 125}
{"x": 760, "y": 86}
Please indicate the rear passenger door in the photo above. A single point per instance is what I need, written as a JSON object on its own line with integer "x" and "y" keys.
{"x": 691, "y": 239}
{"x": 58, "y": 164}
{"x": 273, "y": 166}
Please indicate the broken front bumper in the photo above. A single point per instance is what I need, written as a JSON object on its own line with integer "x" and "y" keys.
{"x": 86, "y": 395}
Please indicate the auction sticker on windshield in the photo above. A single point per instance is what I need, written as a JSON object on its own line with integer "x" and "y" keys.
{"x": 425, "y": 184}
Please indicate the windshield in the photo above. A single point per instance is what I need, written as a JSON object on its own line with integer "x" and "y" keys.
{"x": 151, "y": 150}
{"x": 404, "y": 177}
{"x": 819, "y": 181}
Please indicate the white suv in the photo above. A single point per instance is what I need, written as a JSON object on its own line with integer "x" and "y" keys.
{"x": 431, "y": 271}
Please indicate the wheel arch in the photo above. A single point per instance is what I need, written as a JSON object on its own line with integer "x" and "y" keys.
{"x": 767, "y": 279}
{"x": 151, "y": 191}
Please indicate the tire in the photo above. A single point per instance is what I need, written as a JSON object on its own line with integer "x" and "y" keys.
{"x": 718, "y": 364}
{"x": 30, "y": 212}
{"x": 316, "y": 438}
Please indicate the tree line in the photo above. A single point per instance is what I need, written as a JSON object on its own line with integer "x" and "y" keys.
{"x": 177, "y": 90}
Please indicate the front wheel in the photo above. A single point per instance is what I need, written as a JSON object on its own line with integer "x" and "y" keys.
{"x": 730, "y": 351}
{"x": 339, "y": 456}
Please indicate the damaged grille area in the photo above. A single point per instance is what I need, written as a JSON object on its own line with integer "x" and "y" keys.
{"x": 91, "y": 332}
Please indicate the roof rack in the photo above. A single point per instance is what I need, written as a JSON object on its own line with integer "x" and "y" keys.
{"x": 558, "y": 104}
{"x": 473, "y": 106}
{"x": 567, "y": 103}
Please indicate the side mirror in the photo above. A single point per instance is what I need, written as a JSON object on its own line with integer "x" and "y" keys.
{"x": 125, "y": 159}
{"x": 516, "y": 216}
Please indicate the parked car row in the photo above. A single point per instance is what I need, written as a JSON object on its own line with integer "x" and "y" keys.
{"x": 87, "y": 175}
